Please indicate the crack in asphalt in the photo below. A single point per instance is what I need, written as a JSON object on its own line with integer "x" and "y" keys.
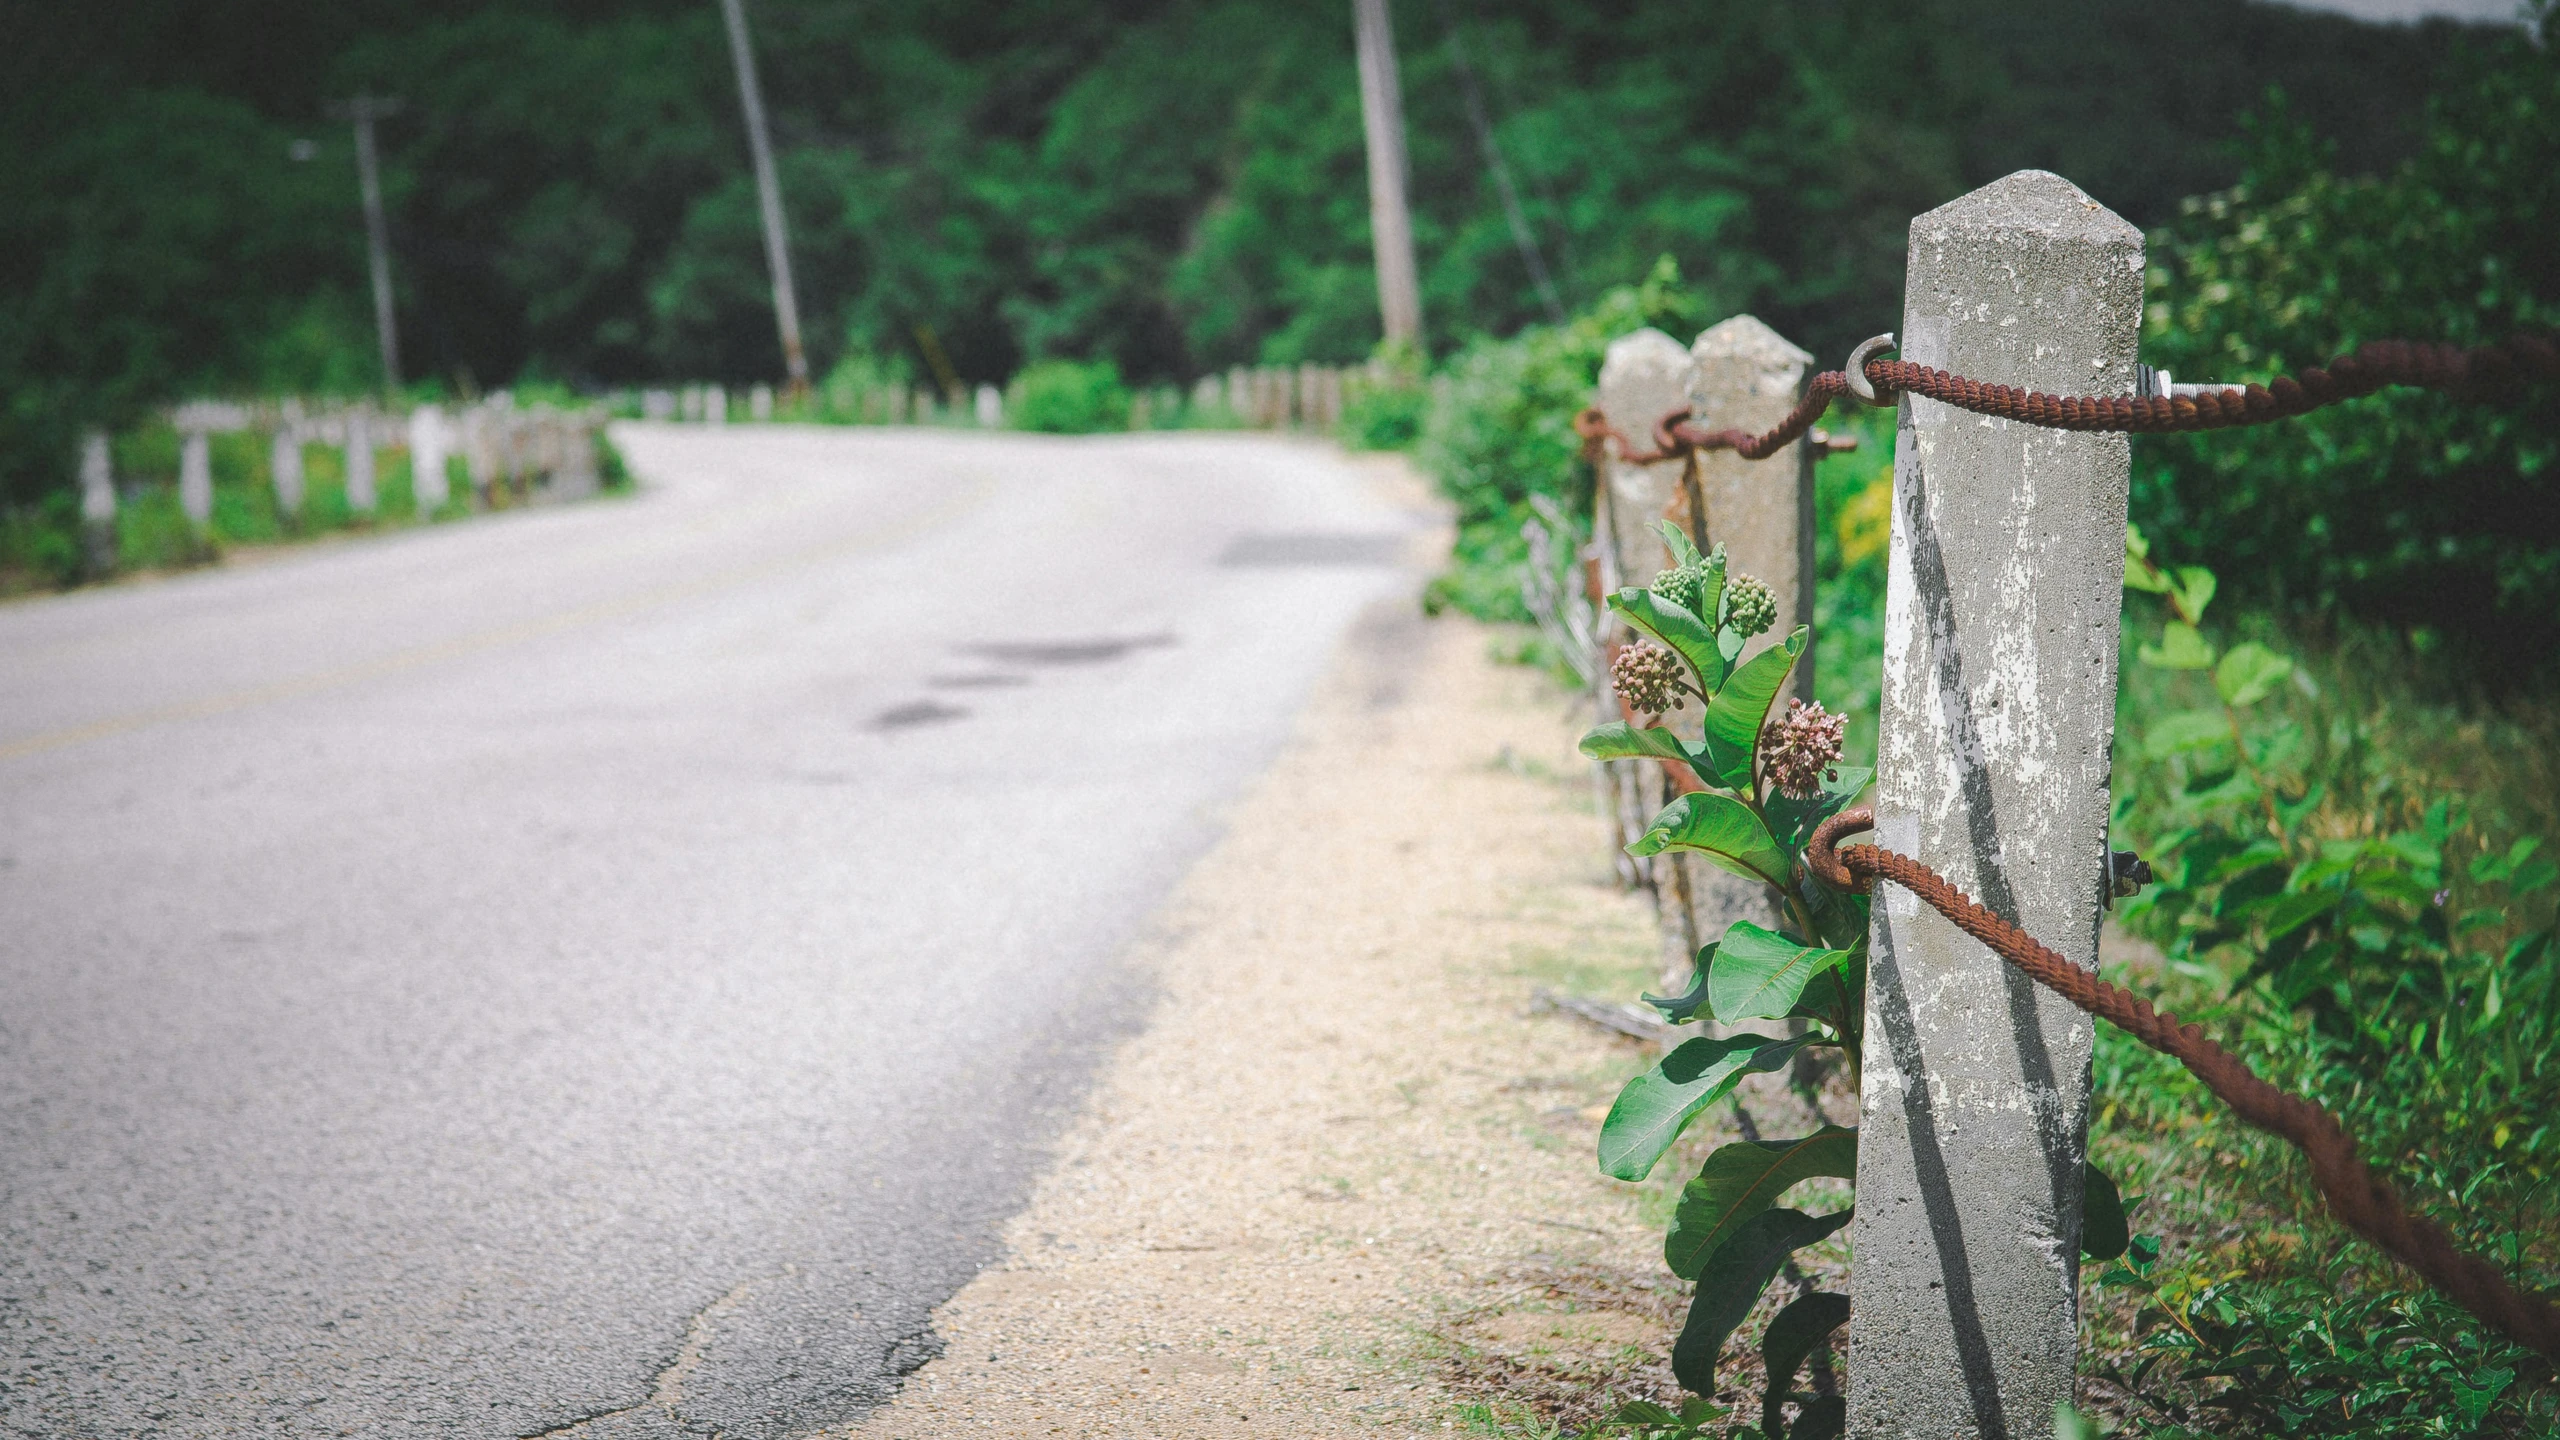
{"x": 666, "y": 1389}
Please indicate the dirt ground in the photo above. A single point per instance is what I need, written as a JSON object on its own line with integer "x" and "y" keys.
{"x": 1344, "y": 1182}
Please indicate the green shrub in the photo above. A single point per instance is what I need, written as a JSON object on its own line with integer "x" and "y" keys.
{"x": 2407, "y": 508}
{"x": 1501, "y": 429}
{"x": 1069, "y": 397}
{"x": 1385, "y": 416}
{"x": 2360, "y": 936}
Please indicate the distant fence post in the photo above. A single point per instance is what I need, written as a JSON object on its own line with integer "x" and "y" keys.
{"x": 195, "y": 474}
{"x": 990, "y": 404}
{"x": 1643, "y": 376}
{"x": 760, "y": 404}
{"x": 360, "y": 487}
{"x": 2004, "y": 582}
{"x": 427, "y": 450}
{"x": 284, "y": 462}
{"x": 97, "y": 504}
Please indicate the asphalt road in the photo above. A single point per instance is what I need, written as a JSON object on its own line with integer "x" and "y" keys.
{"x": 610, "y": 970}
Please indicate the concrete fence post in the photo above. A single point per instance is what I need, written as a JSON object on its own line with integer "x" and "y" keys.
{"x": 1747, "y": 377}
{"x": 195, "y": 476}
{"x": 760, "y": 404}
{"x": 361, "y": 497}
{"x": 97, "y": 504}
{"x": 990, "y": 407}
{"x": 715, "y": 405}
{"x": 1642, "y": 376}
{"x": 2004, "y": 580}
{"x": 284, "y": 468}
{"x": 427, "y": 450}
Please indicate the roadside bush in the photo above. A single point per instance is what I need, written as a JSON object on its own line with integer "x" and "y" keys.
{"x": 2409, "y": 509}
{"x": 2363, "y": 937}
{"x": 1501, "y": 430}
{"x": 1385, "y": 416}
{"x": 1069, "y": 397}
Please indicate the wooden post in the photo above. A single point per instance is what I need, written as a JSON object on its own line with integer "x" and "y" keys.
{"x": 2004, "y": 581}
{"x": 1390, "y": 223}
{"x": 777, "y": 242}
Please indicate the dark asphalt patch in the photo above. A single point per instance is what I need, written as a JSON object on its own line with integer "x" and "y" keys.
{"x": 1312, "y": 548}
{"x": 1068, "y": 652}
{"x": 917, "y": 712}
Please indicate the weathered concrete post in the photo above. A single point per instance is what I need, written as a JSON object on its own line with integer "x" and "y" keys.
{"x": 1742, "y": 375}
{"x": 195, "y": 474}
{"x": 428, "y": 448}
{"x": 97, "y": 504}
{"x": 2004, "y": 581}
{"x": 715, "y": 405}
{"x": 284, "y": 468}
{"x": 760, "y": 404}
{"x": 1643, "y": 376}
{"x": 1747, "y": 377}
{"x": 360, "y": 488}
{"x": 990, "y": 407}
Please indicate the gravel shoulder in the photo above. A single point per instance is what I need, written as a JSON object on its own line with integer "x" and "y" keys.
{"x": 1344, "y": 1181}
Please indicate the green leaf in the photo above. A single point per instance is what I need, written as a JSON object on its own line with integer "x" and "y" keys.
{"x": 1791, "y": 821}
{"x": 1657, "y": 1105}
{"x": 2248, "y": 673}
{"x": 1741, "y": 707}
{"x": 1619, "y": 740}
{"x": 2192, "y": 591}
{"x": 2103, "y": 1233}
{"x": 1731, "y": 1283}
{"x": 1682, "y": 1009}
{"x": 1741, "y": 1180}
{"x": 1759, "y": 973}
{"x": 1719, "y": 827}
{"x": 1791, "y": 1336}
{"x": 2184, "y": 730}
{"x": 1682, "y": 551}
{"x": 1674, "y": 626}
{"x": 1838, "y": 992}
{"x": 2180, "y": 648}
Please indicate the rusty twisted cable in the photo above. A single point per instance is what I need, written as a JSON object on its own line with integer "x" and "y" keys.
{"x": 2479, "y": 372}
{"x": 2359, "y": 1198}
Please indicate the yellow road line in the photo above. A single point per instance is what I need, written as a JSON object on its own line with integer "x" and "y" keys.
{"x": 522, "y": 630}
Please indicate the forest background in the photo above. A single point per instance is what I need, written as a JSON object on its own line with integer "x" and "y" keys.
{"x": 1177, "y": 186}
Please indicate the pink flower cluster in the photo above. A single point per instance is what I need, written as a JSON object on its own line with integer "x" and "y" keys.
{"x": 1800, "y": 749}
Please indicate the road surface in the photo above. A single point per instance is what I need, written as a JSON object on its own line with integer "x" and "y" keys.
{"x": 608, "y": 971}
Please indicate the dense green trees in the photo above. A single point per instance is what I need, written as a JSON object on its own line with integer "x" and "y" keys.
{"x": 1174, "y": 185}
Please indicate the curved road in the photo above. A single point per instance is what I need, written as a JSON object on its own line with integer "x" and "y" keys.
{"x": 608, "y": 971}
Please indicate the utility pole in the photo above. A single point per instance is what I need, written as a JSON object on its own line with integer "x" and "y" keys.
{"x": 364, "y": 110}
{"x": 1390, "y": 223}
{"x": 777, "y": 248}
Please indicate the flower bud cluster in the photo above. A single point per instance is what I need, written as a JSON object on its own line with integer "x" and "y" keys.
{"x": 1749, "y": 605}
{"x": 1683, "y": 586}
{"x": 1647, "y": 677}
{"x": 1801, "y": 749}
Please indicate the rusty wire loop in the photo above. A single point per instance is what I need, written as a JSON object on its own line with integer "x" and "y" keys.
{"x": 2483, "y": 371}
{"x": 2360, "y": 1199}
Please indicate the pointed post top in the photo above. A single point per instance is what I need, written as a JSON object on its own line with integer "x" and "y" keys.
{"x": 2034, "y": 201}
{"x": 1746, "y": 337}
